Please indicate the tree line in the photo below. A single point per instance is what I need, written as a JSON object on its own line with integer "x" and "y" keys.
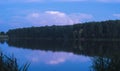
{"x": 2, "y": 33}
{"x": 89, "y": 30}
{"x": 47, "y": 32}
{"x": 104, "y": 29}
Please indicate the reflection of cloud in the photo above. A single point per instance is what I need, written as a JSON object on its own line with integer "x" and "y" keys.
{"x": 48, "y": 57}
{"x": 37, "y": 56}
{"x": 55, "y": 58}
{"x": 83, "y": 59}
{"x": 56, "y": 61}
{"x": 34, "y": 59}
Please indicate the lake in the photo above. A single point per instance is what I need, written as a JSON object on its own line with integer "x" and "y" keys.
{"x": 64, "y": 55}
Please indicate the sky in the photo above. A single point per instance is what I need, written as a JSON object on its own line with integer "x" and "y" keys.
{"x": 29, "y": 13}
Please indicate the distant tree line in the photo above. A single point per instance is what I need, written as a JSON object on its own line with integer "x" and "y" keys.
{"x": 48, "y": 32}
{"x": 89, "y": 30}
{"x": 2, "y": 33}
{"x": 104, "y": 29}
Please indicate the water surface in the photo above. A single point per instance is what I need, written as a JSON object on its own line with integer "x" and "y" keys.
{"x": 63, "y": 55}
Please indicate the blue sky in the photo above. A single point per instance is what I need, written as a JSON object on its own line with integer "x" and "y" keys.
{"x": 27, "y": 13}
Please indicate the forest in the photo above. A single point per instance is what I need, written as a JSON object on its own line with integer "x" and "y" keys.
{"x": 89, "y": 30}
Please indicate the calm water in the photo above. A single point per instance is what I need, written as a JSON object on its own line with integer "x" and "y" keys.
{"x": 64, "y": 55}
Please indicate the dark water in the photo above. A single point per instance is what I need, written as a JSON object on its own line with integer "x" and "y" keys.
{"x": 65, "y": 55}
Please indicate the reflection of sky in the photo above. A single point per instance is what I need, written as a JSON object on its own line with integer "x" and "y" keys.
{"x": 47, "y": 60}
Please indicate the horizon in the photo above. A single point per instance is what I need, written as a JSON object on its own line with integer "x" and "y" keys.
{"x": 28, "y": 13}
{"x": 58, "y": 25}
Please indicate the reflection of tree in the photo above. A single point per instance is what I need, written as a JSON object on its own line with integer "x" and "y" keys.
{"x": 2, "y": 41}
{"x": 106, "y": 53}
{"x": 106, "y": 64}
{"x": 88, "y": 48}
{"x": 47, "y": 45}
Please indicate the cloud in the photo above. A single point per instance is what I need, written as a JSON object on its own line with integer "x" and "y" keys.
{"x": 104, "y": 1}
{"x": 107, "y": 1}
{"x": 46, "y": 1}
{"x": 116, "y": 15}
{"x": 54, "y": 18}
{"x": 37, "y": 1}
{"x": 69, "y": 0}
{"x": 22, "y": 1}
{"x": 49, "y": 18}
{"x": 55, "y": 13}
{"x": 81, "y": 17}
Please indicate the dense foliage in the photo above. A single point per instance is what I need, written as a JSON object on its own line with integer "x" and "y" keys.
{"x": 106, "y": 64}
{"x": 89, "y": 30}
{"x": 42, "y": 32}
{"x": 104, "y": 29}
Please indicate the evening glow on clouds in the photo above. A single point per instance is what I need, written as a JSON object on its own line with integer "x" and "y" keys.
{"x": 28, "y": 13}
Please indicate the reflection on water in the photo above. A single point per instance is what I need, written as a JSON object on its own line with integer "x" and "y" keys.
{"x": 2, "y": 41}
{"x": 64, "y": 55}
{"x": 106, "y": 64}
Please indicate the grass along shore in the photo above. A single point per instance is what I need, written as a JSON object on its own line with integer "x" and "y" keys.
{"x": 9, "y": 63}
